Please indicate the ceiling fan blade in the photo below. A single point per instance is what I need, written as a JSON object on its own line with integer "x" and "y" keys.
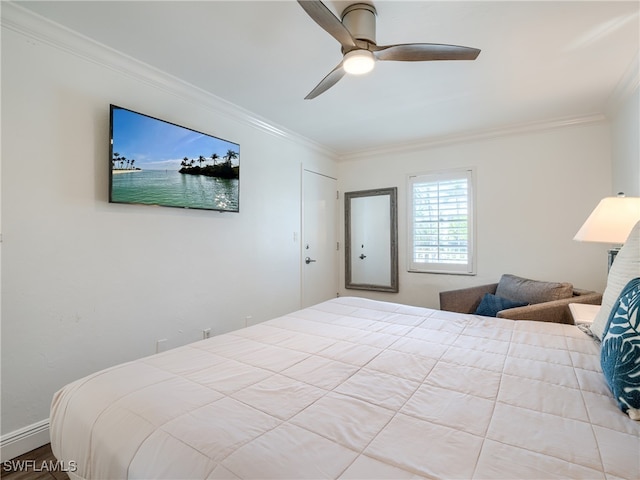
{"x": 329, "y": 22}
{"x": 421, "y": 52}
{"x": 327, "y": 82}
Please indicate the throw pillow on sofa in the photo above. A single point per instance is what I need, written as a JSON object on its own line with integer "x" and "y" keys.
{"x": 491, "y": 304}
{"x": 521, "y": 289}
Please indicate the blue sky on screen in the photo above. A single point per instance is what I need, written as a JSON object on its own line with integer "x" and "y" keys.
{"x": 158, "y": 145}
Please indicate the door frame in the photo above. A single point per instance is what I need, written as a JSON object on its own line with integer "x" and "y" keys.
{"x": 303, "y": 224}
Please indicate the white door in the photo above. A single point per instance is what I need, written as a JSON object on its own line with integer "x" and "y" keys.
{"x": 319, "y": 238}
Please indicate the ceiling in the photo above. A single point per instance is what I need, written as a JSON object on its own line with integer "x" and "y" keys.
{"x": 540, "y": 61}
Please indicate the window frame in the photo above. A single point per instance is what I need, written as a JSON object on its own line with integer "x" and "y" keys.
{"x": 468, "y": 268}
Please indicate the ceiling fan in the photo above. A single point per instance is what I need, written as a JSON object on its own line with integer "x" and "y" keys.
{"x": 357, "y": 35}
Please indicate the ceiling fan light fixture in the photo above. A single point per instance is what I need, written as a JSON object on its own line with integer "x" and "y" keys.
{"x": 356, "y": 33}
{"x": 358, "y": 62}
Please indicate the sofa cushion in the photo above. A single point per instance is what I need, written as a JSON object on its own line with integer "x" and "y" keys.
{"x": 625, "y": 267}
{"x": 521, "y": 289}
{"x": 620, "y": 352}
{"x": 491, "y": 304}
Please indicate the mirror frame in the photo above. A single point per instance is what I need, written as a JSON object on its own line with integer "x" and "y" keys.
{"x": 392, "y": 192}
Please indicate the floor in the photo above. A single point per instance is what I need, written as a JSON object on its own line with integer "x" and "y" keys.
{"x": 39, "y": 464}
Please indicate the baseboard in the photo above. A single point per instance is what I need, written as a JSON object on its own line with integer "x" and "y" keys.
{"x": 18, "y": 442}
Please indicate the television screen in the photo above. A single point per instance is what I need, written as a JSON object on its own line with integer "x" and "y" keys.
{"x": 154, "y": 162}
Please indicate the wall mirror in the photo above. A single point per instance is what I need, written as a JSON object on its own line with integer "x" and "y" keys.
{"x": 371, "y": 240}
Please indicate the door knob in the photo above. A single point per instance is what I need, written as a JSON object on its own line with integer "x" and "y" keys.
{"x": 308, "y": 260}
{"x": 362, "y": 256}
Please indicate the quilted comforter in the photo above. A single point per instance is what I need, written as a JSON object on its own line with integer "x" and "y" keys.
{"x": 355, "y": 388}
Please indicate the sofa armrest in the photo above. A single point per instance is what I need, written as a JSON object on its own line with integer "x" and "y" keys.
{"x": 586, "y": 296}
{"x": 465, "y": 300}
{"x": 556, "y": 311}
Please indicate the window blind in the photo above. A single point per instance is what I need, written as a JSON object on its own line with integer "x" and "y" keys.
{"x": 441, "y": 238}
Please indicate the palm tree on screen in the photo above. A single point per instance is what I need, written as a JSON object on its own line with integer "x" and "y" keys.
{"x": 230, "y": 155}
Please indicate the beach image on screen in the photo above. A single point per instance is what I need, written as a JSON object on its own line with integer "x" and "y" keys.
{"x": 155, "y": 162}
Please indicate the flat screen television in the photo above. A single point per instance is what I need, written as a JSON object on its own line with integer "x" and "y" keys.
{"x": 155, "y": 162}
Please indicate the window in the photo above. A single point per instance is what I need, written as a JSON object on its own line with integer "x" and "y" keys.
{"x": 441, "y": 227}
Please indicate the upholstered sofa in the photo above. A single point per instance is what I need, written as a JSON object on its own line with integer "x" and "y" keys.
{"x": 542, "y": 301}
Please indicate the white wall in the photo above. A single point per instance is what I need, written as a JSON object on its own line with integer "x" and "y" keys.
{"x": 87, "y": 284}
{"x": 534, "y": 191}
{"x": 625, "y": 131}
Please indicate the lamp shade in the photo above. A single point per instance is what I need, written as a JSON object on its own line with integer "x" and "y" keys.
{"x": 611, "y": 221}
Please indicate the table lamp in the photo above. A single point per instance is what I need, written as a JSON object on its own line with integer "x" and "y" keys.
{"x": 611, "y": 222}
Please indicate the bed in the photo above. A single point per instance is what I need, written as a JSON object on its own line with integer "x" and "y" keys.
{"x": 355, "y": 388}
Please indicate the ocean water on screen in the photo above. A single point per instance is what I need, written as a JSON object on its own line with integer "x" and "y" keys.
{"x": 171, "y": 188}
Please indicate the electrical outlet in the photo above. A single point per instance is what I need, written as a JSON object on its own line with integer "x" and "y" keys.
{"x": 206, "y": 333}
{"x": 161, "y": 345}
{"x": 247, "y": 319}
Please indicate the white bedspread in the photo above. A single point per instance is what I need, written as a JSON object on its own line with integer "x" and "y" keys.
{"x": 354, "y": 388}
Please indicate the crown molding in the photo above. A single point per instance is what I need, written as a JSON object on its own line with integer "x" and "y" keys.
{"x": 627, "y": 85}
{"x": 475, "y": 136}
{"x": 38, "y": 28}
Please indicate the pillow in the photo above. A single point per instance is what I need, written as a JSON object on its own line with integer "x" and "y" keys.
{"x": 620, "y": 352}
{"x": 491, "y": 304}
{"x": 521, "y": 289}
{"x": 625, "y": 267}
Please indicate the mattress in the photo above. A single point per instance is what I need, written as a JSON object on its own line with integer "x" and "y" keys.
{"x": 355, "y": 388}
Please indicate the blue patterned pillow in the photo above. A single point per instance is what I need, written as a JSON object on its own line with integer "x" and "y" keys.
{"x": 620, "y": 353}
{"x": 490, "y": 305}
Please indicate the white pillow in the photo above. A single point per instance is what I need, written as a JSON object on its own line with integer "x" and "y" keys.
{"x": 625, "y": 267}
